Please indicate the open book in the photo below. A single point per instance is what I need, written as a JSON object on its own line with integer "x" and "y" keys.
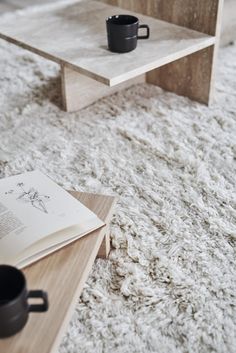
{"x": 38, "y": 217}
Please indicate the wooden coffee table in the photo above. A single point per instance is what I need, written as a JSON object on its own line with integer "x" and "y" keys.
{"x": 62, "y": 274}
{"x": 179, "y": 55}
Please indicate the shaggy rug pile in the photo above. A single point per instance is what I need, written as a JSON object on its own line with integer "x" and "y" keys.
{"x": 169, "y": 284}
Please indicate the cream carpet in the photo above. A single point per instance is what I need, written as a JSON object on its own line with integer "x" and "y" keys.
{"x": 170, "y": 283}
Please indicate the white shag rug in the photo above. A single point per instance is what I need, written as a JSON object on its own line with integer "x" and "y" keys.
{"x": 170, "y": 282}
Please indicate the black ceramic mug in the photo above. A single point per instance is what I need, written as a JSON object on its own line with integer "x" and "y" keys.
{"x": 14, "y": 306}
{"x": 122, "y": 33}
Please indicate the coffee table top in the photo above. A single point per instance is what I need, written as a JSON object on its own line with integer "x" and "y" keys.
{"x": 62, "y": 274}
{"x": 74, "y": 34}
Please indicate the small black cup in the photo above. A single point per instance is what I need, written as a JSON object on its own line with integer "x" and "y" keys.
{"x": 14, "y": 307}
{"x": 122, "y": 33}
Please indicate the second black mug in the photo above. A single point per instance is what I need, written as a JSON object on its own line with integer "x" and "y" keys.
{"x": 14, "y": 306}
{"x": 122, "y": 33}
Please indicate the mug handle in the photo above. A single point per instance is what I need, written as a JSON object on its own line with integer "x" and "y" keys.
{"x": 38, "y": 307}
{"x": 148, "y": 32}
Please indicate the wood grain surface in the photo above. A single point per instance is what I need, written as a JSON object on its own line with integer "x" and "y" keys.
{"x": 62, "y": 274}
{"x": 200, "y": 15}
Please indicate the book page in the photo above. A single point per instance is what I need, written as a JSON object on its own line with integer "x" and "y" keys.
{"x": 52, "y": 243}
{"x": 9, "y": 223}
{"x": 33, "y": 207}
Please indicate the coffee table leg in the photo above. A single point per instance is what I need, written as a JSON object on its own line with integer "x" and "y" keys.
{"x": 75, "y": 90}
{"x": 190, "y": 76}
{"x": 79, "y": 91}
{"x": 105, "y": 246}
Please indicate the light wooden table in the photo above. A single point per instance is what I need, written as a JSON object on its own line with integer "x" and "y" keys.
{"x": 62, "y": 274}
{"x": 179, "y": 56}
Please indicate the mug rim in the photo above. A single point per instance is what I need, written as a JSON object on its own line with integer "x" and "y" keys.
{"x": 110, "y": 18}
{"x": 21, "y": 291}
